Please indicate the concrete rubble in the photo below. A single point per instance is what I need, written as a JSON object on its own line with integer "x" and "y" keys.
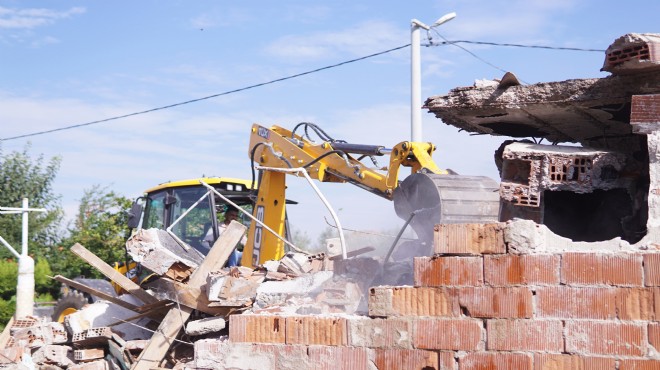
{"x": 568, "y": 278}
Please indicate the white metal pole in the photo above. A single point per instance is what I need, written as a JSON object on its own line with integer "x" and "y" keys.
{"x": 25, "y": 284}
{"x": 416, "y": 74}
{"x": 24, "y": 244}
{"x": 415, "y": 83}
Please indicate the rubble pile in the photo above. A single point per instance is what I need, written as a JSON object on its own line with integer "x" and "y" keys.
{"x": 112, "y": 332}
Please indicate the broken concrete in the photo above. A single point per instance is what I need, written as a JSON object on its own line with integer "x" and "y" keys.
{"x": 561, "y": 186}
{"x": 632, "y": 53}
{"x": 157, "y": 251}
{"x": 231, "y": 291}
{"x": 102, "y": 313}
{"x": 205, "y": 326}
{"x": 593, "y": 112}
{"x": 272, "y": 293}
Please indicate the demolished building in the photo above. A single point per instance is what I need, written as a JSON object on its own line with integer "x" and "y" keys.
{"x": 568, "y": 279}
{"x": 597, "y": 191}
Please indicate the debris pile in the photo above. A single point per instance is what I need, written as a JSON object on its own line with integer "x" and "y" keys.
{"x": 191, "y": 298}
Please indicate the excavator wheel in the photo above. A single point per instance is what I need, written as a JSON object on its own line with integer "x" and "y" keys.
{"x": 446, "y": 199}
{"x": 70, "y": 302}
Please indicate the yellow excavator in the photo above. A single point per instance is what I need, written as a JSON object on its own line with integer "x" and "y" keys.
{"x": 160, "y": 207}
{"x": 187, "y": 208}
{"x": 427, "y": 197}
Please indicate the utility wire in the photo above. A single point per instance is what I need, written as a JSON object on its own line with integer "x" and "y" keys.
{"x": 519, "y": 45}
{"x": 446, "y": 42}
{"x": 206, "y": 97}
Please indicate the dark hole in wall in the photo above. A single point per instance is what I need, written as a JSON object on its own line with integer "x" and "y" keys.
{"x": 597, "y": 216}
{"x": 517, "y": 171}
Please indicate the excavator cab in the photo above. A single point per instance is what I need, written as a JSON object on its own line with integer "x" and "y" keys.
{"x": 189, "y": 210}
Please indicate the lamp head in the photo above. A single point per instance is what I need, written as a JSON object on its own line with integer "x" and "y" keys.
{"x": 445, "y": 18}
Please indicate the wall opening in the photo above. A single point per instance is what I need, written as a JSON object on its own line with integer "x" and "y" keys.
{"x": 596, "y": 216}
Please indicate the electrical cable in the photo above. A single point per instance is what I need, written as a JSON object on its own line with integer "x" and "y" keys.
{"x": 206, "y": 97}
{"x": 446, "y": 42}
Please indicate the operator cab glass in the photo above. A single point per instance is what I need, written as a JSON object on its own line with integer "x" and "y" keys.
{"x": 192, "y": 214}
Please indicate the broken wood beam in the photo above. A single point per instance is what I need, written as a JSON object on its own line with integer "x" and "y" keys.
{"x": 6, "y": 334}
{"x": 186, "y": 295}
{"x": 169, "y": 328}
{"x": 97, "y": 293}
{"x": 112, "y": 274}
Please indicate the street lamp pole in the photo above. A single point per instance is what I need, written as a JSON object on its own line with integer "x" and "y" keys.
{"x": 416, "y": 74}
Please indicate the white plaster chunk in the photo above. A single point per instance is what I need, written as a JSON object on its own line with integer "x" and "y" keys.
{"x": 277, "y": 292}
{"x": 205, "y": 326}
{"x": 157, "y": 251}
{"x": 102, "y": 313}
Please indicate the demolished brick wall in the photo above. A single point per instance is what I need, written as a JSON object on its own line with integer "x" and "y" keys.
{"x": 472, "y": 308}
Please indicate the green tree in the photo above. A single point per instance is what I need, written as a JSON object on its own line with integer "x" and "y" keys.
{"x": 100, "y": 226}
{"x": 22, "y": 176}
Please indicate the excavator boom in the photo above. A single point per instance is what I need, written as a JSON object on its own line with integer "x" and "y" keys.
{"x": 429, "y": 196}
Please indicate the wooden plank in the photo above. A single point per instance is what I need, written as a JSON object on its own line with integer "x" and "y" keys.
{"x": 152, "y": 312}
{"x": 89, "y": 290}
{"x": 112, "y": 274}
{"x": 169, "y": 328}
{"x": 6, "y": 334}
{"x": 186, "y": 295}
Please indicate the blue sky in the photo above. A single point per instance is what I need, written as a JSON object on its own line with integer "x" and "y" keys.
{"x": 69, "y": 63}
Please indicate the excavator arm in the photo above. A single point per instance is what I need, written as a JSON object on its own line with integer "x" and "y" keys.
{"x": 335, "y": 161}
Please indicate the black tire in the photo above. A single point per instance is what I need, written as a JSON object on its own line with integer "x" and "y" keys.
{"x": 69, "y": 303}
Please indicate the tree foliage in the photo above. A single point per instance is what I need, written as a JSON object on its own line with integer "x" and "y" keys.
{"x": 22, "y": 176}
{"x": 101, "y": 227}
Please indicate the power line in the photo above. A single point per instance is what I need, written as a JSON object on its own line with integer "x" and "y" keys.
{"x": 206, "y": 97}
{"x": 446, "y": 42}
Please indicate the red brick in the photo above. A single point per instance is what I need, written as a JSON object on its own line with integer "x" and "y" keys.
{"x": 448, "y": 271}
{"x": 544, "y": 361}
{"x": 447, "y": 334}
{"x": 257, "y": 328}
{"x": 470, "y": 239}
{"x": 333, "y": 358}
{"x": 652, "y": 269}
{"x": 446, "y": 361}
{"x": 608, "y": 338}
{"x": 521, "y": 270}
{"x": 576, "y": 302}
{"x": 88, "y": 354}
{"x": 656, "y": 301}
{"x": 496, "y": 361}
{"x": 524, "y": 335}
{"x": 395, "y": 359}
{"x": 487, "y": 302}
{"x": 629, "y": 364}
{"x": 635, "y": 304}
{"x": 645, "y": 109}
{"x": 654, "y": 334}
{"x": 413, "y": 301}
{"x": 331, "y": 331}
{"x": 380, "y": 333}
{"x": 595, "y": 268}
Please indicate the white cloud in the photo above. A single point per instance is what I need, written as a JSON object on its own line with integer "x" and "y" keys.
{"x": 30, "y": 18}
{"x": 362, "y": 39}
{"x": 513, "y": 19}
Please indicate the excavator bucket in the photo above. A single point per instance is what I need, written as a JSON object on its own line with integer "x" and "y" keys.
{"x": 446, "y": 199}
